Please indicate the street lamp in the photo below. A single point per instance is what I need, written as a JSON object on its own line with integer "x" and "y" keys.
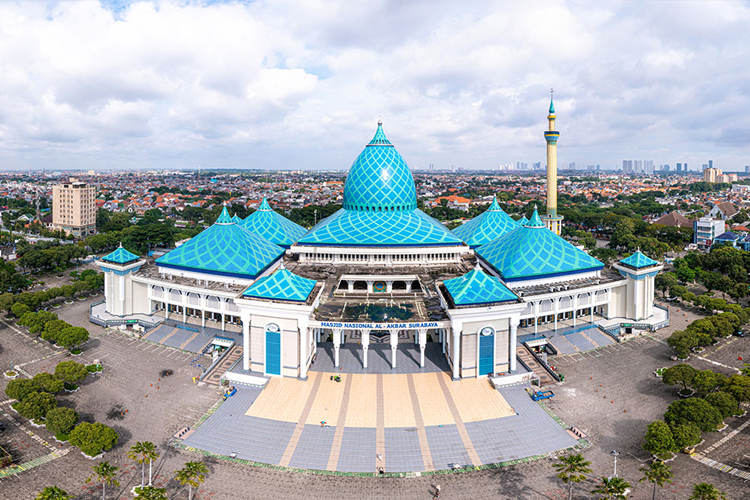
{"x": 614, "y": 454}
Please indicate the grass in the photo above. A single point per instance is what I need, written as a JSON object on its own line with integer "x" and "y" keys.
{"x": 94, "y": 368}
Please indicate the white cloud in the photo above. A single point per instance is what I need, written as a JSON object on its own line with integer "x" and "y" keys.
{"x": 280, "y": 84}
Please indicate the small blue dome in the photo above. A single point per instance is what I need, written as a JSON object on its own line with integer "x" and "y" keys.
{"x": 379, "y": 179}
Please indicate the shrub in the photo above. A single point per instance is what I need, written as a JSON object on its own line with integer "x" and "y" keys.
{"x": 36, "y": 405}
{"x": 19, "y": 309}
{"x": 92, "y": 439}
{"x": 20, "y": 388}
{"x": 61, "y": 420}
{"x": 71, "y": 372}
{"x": 725, "y": 403}
{"x": 48, "y": 382}
{"x": 693, "y": 410}
{"x": 686, "y": 435}
{"x": 659, "y": 438}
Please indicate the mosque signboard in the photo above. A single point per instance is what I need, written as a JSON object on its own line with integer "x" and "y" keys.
{"x": 382, "y": 326}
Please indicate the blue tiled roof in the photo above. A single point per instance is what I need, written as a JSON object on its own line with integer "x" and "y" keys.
{"x": 379, "y": 179}
{"x": 483, "y": 228}
{"x": 523, "y": 220}
{"x": 273, "y": 226}
{"x": 281, "y": 285}
{"x": 532, "y": 251}
{"x": 477, "y": 288}
{"x": 236, "y": 220}
{"x": 638, "y": 260}
{"x": 120, "y": 256}
{"x": 225, "y": 249}
{"x": 355, "y": 228}
{"x": 727, "y": 235}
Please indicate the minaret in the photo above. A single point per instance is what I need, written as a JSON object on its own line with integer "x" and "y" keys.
{"x": 552, "y": 220}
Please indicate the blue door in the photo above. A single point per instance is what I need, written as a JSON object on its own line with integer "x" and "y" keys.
{"x": 486, "y": 354}
{"x": 273, "y": 353}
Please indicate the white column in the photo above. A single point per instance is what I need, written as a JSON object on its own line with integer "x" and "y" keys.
{"x": 389, "y": 286}
{"x": 203, "y": 318}
{"x": 513, "y": 341}
{"x": 122, "y": 294}
{"x": 336, "y": 346}
{"x": 351, "y": 285}
{"x": 365, "y": 346}
{"x": 422, "y": 333}
{"x": 184, "y": 312}
{"x": 536, "y": 316}
{"x": 304, "y": 342}
{"x": 394, "y": 347}
{"x": 442, "y": 338}
{"x": 245, "y": 342}
{"x": 369, "y": 287}
{"x": 575, "y": 309}
{"x": 556, "y": 304}
{"x": 408, "y": 286}
{"x": 456, "y": 348}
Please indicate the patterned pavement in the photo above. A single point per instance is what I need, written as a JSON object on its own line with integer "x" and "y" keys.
{"x": 528, "y": 432}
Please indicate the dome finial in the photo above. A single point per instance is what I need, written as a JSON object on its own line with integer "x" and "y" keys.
{"x": 380, "y": 120}
{"x": 551, "y": 102}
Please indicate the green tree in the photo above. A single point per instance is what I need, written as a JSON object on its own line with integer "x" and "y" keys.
{"x": 151, "y": 493}
{"x": 679, "y": 374}
{"x": 657, "y": 473}
{"x": 36, "y": 405}
{"x": 612, "y": 488}
{"x": 72, "y": 337}
{"x": 105, "y": 475}
{"x": 706, "y": 381}
{"x": 53, "y": 493}
{"x": 53, "y": 328}
{"x": 738, "y": 386}
{"x": 695, "y": 410}
{"x": 686, "y": 435}
{"x": 10, "y": 279}
{"x": 665, "y": 281}
{"x": 48, "y": 382}
{"x": 659, "y": 439}
{"x": 61, "y": 420}
{"x": 144, "y": 452}
{"x": 19, "y": 309}
{"x": 682, "y": 341}
{"x": 20, "y": 388}
{"x": 706, "y": 491}
{"x": 92, "y": 439}
{"x": 725, "y": 403}
{"x": 193, "y": 474}
{"x": 70, "y": 371}
{"x": 68, "y": 291}
{"x": 572, "y": 469}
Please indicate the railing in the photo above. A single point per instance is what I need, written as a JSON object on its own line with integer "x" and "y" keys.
{"x": 215, "y": 363}
{"x": 146, "y": 325}
{"x": 544, "y": 364}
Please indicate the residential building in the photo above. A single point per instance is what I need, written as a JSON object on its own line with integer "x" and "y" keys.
{"x": 706, "y": 229}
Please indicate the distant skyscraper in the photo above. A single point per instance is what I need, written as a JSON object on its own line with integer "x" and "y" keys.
{"x": 679, "y": 167}
{"x": 638, "y": 167}
{"x": 627, "y": 166}
{"x": 747, "y": 168}
{"x": 686, "y": 167}
{"x": 648, "y": 167}
{"x": 705, "y": 166}
{"x": 710, "y": 164}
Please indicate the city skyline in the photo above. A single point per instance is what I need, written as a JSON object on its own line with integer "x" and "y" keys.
{"x": 228, "y": 84}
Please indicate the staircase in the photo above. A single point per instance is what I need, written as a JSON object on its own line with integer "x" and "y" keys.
{"x": 540, "y": 371}
{"x": 214, "y": 376}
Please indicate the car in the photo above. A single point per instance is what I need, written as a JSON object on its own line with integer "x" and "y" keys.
{"x": 740, "y": 333}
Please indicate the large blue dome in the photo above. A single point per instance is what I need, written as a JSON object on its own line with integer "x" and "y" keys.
{"x": 379, "y": 179}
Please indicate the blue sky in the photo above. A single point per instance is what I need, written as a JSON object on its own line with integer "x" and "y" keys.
{"x": 300, "y": 84}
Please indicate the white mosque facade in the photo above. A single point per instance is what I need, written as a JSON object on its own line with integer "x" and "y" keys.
{"x": 379, "y": 271}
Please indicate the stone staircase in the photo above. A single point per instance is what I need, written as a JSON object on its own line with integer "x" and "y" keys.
{"x": 540, "y": 371}
{"x": 214, "y": 376}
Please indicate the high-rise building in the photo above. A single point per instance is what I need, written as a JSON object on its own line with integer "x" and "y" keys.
{"x": 710, "y": 164}
{"x": 638, "y": 167}
{"x": 705, "y": 166}
{"x": 747, "y": 168}
{"x": 627, "y": 166}
{"x": 686, "y": 167}
{"x": 552, "y": 220}
{"x": 74, "y": 208}
{"x": 648, "y": 167}
{"x": 679, "y": 167}
{"x": 711, "y": 174}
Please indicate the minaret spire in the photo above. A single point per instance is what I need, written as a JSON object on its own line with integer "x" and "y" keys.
{"x": 552, "y": 220}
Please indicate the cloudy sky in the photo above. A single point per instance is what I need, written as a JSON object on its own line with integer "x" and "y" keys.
{"x": 300, "y": 84}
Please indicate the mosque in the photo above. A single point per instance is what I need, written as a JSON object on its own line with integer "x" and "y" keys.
{"x": 380, "y": 272}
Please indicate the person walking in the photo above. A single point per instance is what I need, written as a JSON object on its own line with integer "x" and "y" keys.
{"x": 437, "y": 493}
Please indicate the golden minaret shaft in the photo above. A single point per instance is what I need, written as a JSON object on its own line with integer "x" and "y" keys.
{"x": 552, "y": 220}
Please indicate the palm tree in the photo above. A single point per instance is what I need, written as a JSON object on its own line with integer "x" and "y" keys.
{"x": 572, "y": 469}
{"x": 193, "y": 474}
{"x": 53, "y": 493}
{"x": 706, "y": 491}
{"x": 658, "y": 473}
{"x": 105, "y": 474}
{"x": 142, "y": 452}
{"x": 151, "y": 493}
{"x": 613, "y": 488}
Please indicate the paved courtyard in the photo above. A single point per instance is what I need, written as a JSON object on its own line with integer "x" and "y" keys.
{"x": 131, "y": 366}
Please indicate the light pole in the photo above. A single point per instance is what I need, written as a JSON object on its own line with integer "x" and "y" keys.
{"x": 614, "y": 454}
{"x": 316, "y": 217}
